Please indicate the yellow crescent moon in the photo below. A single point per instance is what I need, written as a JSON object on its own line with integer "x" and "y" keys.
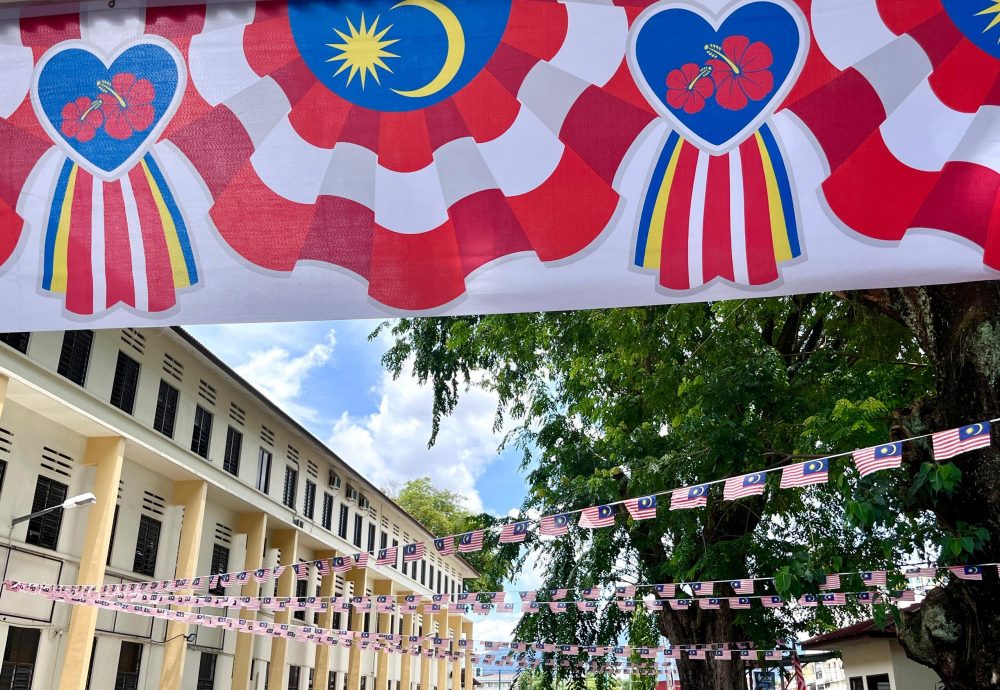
{"x": 455, "y": 38}
{"x": 975, "y": 429}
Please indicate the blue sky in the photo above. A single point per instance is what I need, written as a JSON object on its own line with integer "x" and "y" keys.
{"x": 328, "y": 376}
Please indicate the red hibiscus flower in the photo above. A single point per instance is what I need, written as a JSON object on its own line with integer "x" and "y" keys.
{"x": 689, "y": 87}
{"x": 81, "y": 119}
{"x": 740, "y": 70}
{"x": 128, "y": 104}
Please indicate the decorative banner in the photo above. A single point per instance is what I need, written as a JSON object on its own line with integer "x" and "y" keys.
{"x": 307, "y": 159}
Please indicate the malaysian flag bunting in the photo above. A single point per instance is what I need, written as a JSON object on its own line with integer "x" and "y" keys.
{"x": 386, "y": 556}
{"x": 528, "y": 595}
{"x": 591, "y": 593}
{"x": 653, "y": 604}
{"x": 831, "y": 582}
{"x": 689, "y": 497}
{"x": 711, "y": 603}
{"x": 966, "y": 572}
{"x": 739, "y": 602}
{"x": 341, "y": 564}
{"x": 696, "y": 654}
{"x": 413, "y": 552}
{"x": 671, "y": 653}
{"x": 559, "y": 593}
{"x": 242, "y": 577}
{"x": 496, "y": 597}
{"x": 643, "y": 508}
{"x": 626, "y": 591}
{"x": 873, "y": 578}
{"x": 445, "y": 546}
{"x": 748, "y": 485}
{"x": 506, "y": 607}
{"x": 903, "y": 596}
{"x": 680, "y": 604}
{"x": 867, "y": 597}
{"x": 885, "y": 457}
{"x": 361, "y": 560}
{"x": 929, "y": 572}
{"x": 554, "y": 525}
{"x": 806, "y": 473}
{"x": 724, "y": 653}
{"x": 809, "y": 600}
{"x": 773, "y": 655}
{"x": 597, "y": 516}
{"x": 277, "y": 571}
{"x": 772, "y": 602}
{"x": 948, "y": 444}
{"x": 626, "y": 604}
{"x": 323, "y": 566}
{"x": 702, "y": 589}
{"x": 471, "y": 542}
{"x": 834, "y": 599}
{"x": 742, "y": 586}
{"x": 665, "y": 591}
{"x": 514, "y": 533}
{"x": 301, "y": 570}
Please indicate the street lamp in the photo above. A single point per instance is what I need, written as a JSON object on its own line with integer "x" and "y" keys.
{"x": 87, "y": 499}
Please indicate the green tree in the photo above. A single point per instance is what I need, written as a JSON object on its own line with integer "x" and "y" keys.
{"x": 619, "y": 403}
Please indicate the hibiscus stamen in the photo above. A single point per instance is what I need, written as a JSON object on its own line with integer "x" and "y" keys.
{"x": 702, "y": 73}
{"x": 715, "y": 50}
{"x": 94, "y": 105}
{"x": 105, "y": 86}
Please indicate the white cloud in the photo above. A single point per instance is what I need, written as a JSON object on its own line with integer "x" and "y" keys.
{"x": 496, "y": 627}
{"x": 390, "y": 445}
{"x": 280, "y": 374}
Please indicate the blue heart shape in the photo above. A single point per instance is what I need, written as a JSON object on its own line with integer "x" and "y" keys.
{"x": 670, "y": 37}
{"x": 74, "y": 72}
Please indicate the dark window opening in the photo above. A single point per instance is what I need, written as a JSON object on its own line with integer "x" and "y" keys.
{"x": 166, "y": 410}
{"x": 44, "y": 530}
{"x": 75, "y": 355}
{"x": 206, "y": 671}
{"x": 264, "y": 470}
{"x": 371, "y": 538}
{"x": 220, "y": 562}
{"x": 19, "y": 655}
{"x": 129, "y": 663}
{"x": 18, "y": 341}
{"x": 291, "y": 479}
{"x": 301, "y": 590}
{"x": 125, "y": 384}
{"x": 309, "y": 500}
{"x": 202, "y": 433}
{"x": 342, "y": 525}
{"x": 358, "y": 525}
{"x": 114, "y": 529}
{"x": 234, "y": 446}
{"x": 147, "y": 544}
{"x": 327, "y": 511}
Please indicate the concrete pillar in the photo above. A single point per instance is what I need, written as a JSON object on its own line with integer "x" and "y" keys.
{"x": 456, "y": 665}
{"x": 191, "y": 495}
{"x": 327, "y": 588}
{"x": 108, "y": 454}
{"x": 359, "y": 579}
{"x": 442, "y": 664}
{"x": 381, "y": 587}
{"x": 425, "y": 662}
{"x": 3, "y": 391}
{"x": 254, "y": 525}
{"x": 467, "y": 628}
{"x": 406, "y": 659}
{"x": 287, "y": 541}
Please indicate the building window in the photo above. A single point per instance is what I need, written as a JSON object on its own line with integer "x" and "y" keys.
{"x": 423, "y": 572}
{"x": 125, "y": 384}
{"x": 206, "y": 672}
{"x": 111, "y": 541}
{"x": 327, "y": 510}
{"x": 220, "y": 562}
{"x": 358, "y": 525}
{"x": 291, "y": 479}
{"x": 439, "y": 590}
{"x": 129, "y": 663}
{"x": 342, "y": 525}
{"x": 166, "y": 410}
{"x": 264, "y": 470}
{"x": 371, "y": 538}
{"x": 146, "y": 546}
{"x": 202, "y": 433}
{"x": 44, "y": 530}
{"x": 75, "y": 355}
{"x": 879, "y": 682}
{"x": 301, "y": 591}
{"x": 395, "y": 542}
{"x": 293, "y": 678}
{"x": 234, "y": 446}
{"x": 309, "y": 500}
{"x": 333, "y": 681}
{"x": 19, "y": 658}
{"x": 18, "y": 341}
{"x": 3, "y": 472}
{"x": 383, "y": 540}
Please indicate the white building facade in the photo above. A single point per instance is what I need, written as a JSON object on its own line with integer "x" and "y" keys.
{"x": 195, "y": 473}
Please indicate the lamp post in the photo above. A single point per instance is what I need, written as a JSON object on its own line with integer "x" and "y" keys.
{"x": 87, "y": 499}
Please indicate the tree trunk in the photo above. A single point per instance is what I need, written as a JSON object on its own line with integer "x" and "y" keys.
{"x": 695, "y": 627}
{"x": 956, "y": 631}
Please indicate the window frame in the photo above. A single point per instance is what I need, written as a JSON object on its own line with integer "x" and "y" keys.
{"x": 74, "y": 362}
{"x": 143, "y": 564}
{"x": 234, "y": 449}
{"x": 167, "y": 400}
{"x": 125, "y": 384}
{"x": 201, "y": 432}
{"x": 55, "y": 493}
{"x": 264, "y": 469}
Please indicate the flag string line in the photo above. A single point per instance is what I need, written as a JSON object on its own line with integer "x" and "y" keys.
{"x": 361, "y": 558}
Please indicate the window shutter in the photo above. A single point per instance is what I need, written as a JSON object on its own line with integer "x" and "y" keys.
{"x": 166, "y": 409}
{"x": 75, "y": 355}
{"x": 234, "y": 446}
{"x": 126, "y": 381}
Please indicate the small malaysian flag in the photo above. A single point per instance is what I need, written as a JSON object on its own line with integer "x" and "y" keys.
{"x": 651, "y": 604}
{"x": 929, "y": 572}
{"x": 772, "y": 602}
{"x": 689, "y": 497}
{"x": 873, "y": 578}
{"x": 323, "y": 566}
{"x": 597, "y": 516}
{"x": 966, "y": 572}
{"x": 806, "y": 473}
{"x": 529, "y": 595}
{"x": 742, "y": 586}
{"x": 445, "y": 546}
{"x": 514, "y": 533}
{"x": 559, "y": 593}
{"x": 724, "y": 653}
{"x": 665, "y": 591}
{"x": 413, "y": 552}
{"x": 496, "y": 597}
{"x": 696, "y": 654}
{"x": 626, "y": 591}
{"x": 773, "y": 655}
{"x": 711, "y": 603}
{"x": 341, "y": 564}
{"x": 739, "y": 602}
{"x": 867, "y": 597}
{"x": 643, "y": 508}
{"x": 554, "y": 525}
{"x": 361, "y": 559}
{"x": 702, "y": 589}
{"x": 832, "y": 581}
{"x": 626, "y": 604}
{"x": 948, "y": 444}
{"x": 387, "y": 556}
{"x": 591, "y": 593}
{"x": 471, "y": 542}
{"x": 904, "y": 595}
{"x": 752, "y": 484}
{"x": 836, "y": 599}
{"x": 885, "y": 457}
{"x": 671, "y": 653}
{"x": 680, "y": 604}
{"x": 809, "y": 600}
{"x": 242, "y": 577}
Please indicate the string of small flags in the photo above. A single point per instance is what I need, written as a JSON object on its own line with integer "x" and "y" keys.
{"x": 946, "y": 445}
